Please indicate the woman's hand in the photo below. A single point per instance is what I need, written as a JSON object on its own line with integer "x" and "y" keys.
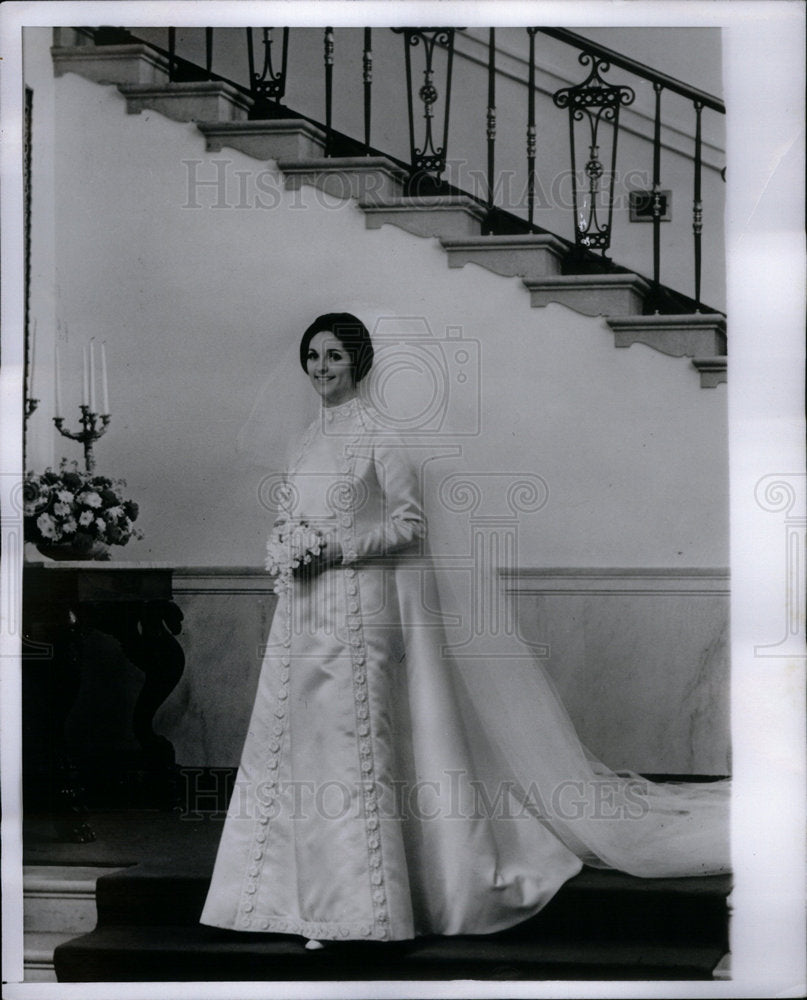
{"x": 330, "y": 555}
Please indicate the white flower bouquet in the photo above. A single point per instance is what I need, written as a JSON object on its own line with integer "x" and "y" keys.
{"x": 77, "y": 510}
{"x": 292, "y": 546}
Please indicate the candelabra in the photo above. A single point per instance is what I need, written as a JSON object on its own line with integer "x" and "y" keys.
{"x": 93, "y": 426}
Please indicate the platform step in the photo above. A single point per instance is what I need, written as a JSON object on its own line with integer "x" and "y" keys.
{"x": 58, "y": 904}
{"x": 60, "y": 898}
{"x": 171, "y": 954}
{"x": 602, "y": 905}
{"x": 38, "y": 949}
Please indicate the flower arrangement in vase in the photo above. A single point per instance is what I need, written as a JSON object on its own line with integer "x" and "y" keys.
{"x": 69, "y": 514}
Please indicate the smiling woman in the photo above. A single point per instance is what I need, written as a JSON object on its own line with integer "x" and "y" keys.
{"x": 336, "y": 352}
{"x": 392, "y": 783}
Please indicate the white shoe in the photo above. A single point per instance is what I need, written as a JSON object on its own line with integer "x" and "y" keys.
{"x": 312, "y": 945}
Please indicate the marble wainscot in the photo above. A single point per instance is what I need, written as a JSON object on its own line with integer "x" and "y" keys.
{"x": 639, "y": 656}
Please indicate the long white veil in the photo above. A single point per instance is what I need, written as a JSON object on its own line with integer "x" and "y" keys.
{"x": 424, "y": 390}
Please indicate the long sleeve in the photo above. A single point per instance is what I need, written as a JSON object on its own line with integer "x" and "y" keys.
{"x": 401, "y": 519}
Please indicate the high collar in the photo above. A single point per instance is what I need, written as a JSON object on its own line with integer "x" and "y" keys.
{"x": 340, "y": 412}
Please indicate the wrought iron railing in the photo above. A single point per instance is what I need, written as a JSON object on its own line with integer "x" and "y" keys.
{"x": 593, "y": 111}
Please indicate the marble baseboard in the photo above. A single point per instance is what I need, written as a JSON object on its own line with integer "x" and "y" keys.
{"x": 228, "y": 613}
{"x": 640, "y": 659}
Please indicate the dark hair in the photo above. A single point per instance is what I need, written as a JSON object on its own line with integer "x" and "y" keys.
{"x": 352, "y": 334}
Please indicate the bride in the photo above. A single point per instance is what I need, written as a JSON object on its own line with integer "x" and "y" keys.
{"x": 388, "y": 786}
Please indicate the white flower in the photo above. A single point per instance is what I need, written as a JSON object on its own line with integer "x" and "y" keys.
{"x": 91, "y": 499}
{"x": 61, "y": 509}
{"x": 289, "y": 546}
{"x": 47, "y": 526}
{"x": 86, "y": 517}
{"x": 114, "y": 513}
{"x": 101, "y": 523}
{"x": 65, "y": 496}
{"x": 69, "y": 526}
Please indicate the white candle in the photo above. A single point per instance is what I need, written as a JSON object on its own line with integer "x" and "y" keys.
{"x": 85, "y": 379}
{"x": 92, "y": 375}
{"x": 57, "y": 380}
{"x": 104, "y": 381}
{"x": 31, "y": 352}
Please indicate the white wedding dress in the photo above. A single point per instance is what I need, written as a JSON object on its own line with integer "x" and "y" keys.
{"x": 389, "y": 789}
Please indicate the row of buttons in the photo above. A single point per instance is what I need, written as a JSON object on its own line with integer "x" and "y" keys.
{"x": 360, "y": 694}
{"x": 265, "y": 801}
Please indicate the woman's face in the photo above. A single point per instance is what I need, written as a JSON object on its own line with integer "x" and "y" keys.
{"x": 330, "y": 369}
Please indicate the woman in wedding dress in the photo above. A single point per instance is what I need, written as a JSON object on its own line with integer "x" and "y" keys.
{"x": 389, "y": 788}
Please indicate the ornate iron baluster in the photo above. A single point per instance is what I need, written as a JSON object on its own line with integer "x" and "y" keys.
{"x": 268, "y": 86}
{"x": 428, "y": 159}
{"x": 328, "y": 55}
{"x": 367, "y": 79}
{"x": 531, "y": 136}
{"x": 172, "y": 54}
{"x": 656, "y": 203}
{"x": 208, "y": 50}
{"x": 250, "y": 57}
{"x": 595, "y": 101}
{"x": 491, "y": 117}
{"x": 697, "y": 205}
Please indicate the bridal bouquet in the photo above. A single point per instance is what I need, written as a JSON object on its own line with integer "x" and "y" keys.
{"x": 292, "y": 545}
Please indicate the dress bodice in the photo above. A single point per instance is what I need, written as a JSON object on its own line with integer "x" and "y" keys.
{"x": 351, "y": 476}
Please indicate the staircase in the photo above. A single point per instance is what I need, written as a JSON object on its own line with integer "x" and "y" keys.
{"x": 601, "y": 925}
{"x": 379, "y": 185}
{"x": 59, "y": 904}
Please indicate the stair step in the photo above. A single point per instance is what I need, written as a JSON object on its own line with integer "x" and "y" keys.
{"x": 693, "y": 335}
{"x": 595, "y": 905}
{"x": 448, "y": 216}
{"x": 38, "y": 949}
{"x": 194, "y": 101}
{"x": 170, "y": 953}
{"x": 529, "y": 256}
{"x": 60, "y": 898}
{"x": 274, "y": 139}
{"x": 374, "y": 180}
{"x": 713, "y": 371}
{"x": 111, "y": 64}
{"x": 591, "y": 294}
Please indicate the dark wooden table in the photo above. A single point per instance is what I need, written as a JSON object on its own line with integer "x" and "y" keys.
{"x": 130, "y": 601}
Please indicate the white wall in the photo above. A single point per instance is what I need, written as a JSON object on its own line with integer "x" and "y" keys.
{"x": 194, "y": 303}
